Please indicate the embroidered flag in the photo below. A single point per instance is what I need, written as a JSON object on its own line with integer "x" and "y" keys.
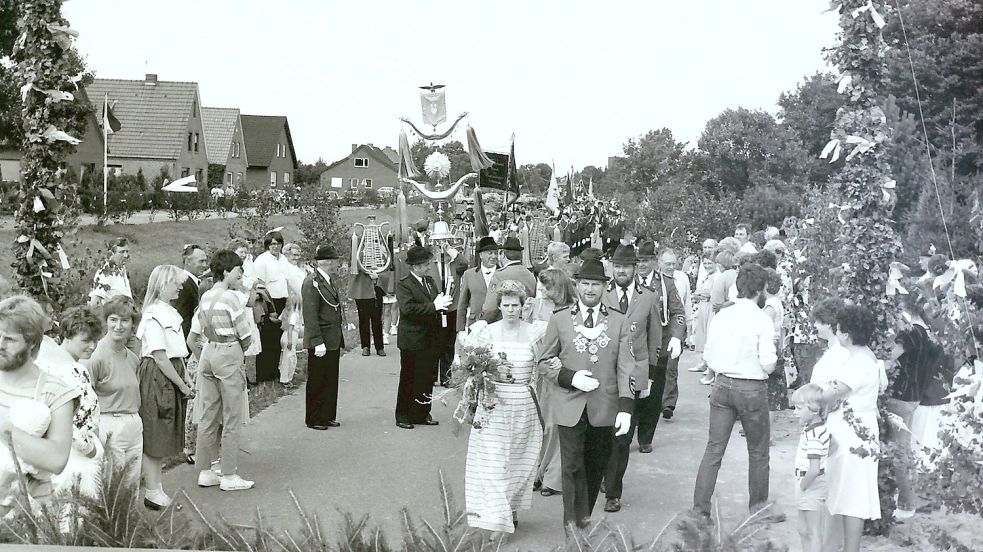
{"x": 434, "y": 107}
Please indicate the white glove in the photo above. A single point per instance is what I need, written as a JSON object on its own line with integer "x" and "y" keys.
{"x": 675, "y": 348}
{"x": 584, "y": 381}
{"x": 320, "y": 350}
{"x": 644, "y": 393}
{"x": 622, "y": 423}
{"x": 442, "y": 302}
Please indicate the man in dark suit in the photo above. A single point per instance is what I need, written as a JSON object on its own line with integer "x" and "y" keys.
{"x": 474, "y": 284}
{"x": 195, "y": 262}
{"x": 421, "y": 315}
{"x": 510, "y": 260}
{"x": 447, "y": 269}
{"x": 323, "y": 319}
{"x": 648, "y": 411}
{"x": 587, "y": 355}
{"x": 640, "y": 305}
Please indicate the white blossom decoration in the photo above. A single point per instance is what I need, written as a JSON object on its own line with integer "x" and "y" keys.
{"x": 437, "y": 165}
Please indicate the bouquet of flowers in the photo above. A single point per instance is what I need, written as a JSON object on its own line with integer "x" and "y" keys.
{"x": 475, "y": 375}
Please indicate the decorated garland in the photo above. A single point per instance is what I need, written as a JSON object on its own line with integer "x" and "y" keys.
{"x": 439, "y": 136}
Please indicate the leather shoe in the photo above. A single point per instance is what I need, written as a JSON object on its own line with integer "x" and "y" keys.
{"x": 365, "y": 351}
{"x": 546, "y": 491}
{"x": 404, "y": 425}
{"x": 612, "y": 505}
{"x": 318, "y": 427}
{"x": 667, "y": 413}
{"x": 644, "y": 449}
{"x": 429, "y": 422}
{"x": 380, "y": 352}
{"x": 333, "y": 423}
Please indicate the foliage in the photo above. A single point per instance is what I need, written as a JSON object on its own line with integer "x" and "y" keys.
{"x": 535, "y": 178}
{"x": 809, "y": 113}
{"x": 769, "y": 205}
{"x": 454, "y": 150}
{"x": 310, "y": 174}
{"x": 320, "y": 224}
{"x": 216, "y": 176}
{"x": 46, "y": 62}
{"x": 651, "y": 160}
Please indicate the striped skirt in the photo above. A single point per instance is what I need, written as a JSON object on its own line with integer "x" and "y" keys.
{"x": 502, "y": 460}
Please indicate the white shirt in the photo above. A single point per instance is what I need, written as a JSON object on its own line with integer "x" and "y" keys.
{"x": 324, "y": 275}
{"x": 681, "y": 279}
{"x": 629, "y": 291}
{"x": 749, "y": 247}
{"x": 487, "y": 274}
{"x": 740, "y": 341}
{"x": 596, "y": 310}
{"x": 826, "y": 367}
{"x": 274, "y": 272}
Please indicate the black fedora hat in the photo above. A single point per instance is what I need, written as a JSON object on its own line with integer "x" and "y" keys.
{"x": 591, "y": 270}
{"x": 646, "y": 250}
{"x": 512, "y": 244}
{"x": 418, "y": 255}
{"x": 624, "y": 254}
{"x": 487, "y": 243}
{"x": 325, "y": 253}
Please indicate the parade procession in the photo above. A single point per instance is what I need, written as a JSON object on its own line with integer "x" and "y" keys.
{"x": 763, "y": 335}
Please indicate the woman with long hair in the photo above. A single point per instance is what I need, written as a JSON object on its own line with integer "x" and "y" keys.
{"x": 272, "y": 268}
{"x": 502, "y": 453}
{"x": 556, "y": 291}
{"x": 163, "y": 390}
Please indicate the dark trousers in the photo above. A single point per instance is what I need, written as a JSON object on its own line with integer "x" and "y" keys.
{"x": 268, "y": 360}
{"x": 448, "y": 340}
{"x": 322, "y": 387}
{"x": 614, "y": 475}
{"x": 731, "y": 400}
{"x": 648, "y": 411}
{"x": 671, "y": 393}
{"x": 584, "y": 453}
{"x": 415, "y": 391}
{"x": 370, "y": 316}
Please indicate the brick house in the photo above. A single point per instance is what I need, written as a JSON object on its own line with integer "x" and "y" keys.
{"x": 270, "y": 152}
{"x": 161, "y": 126}
{"x": 86, "y": 158}
{"x": 367, "y": 167}
{"x": 224, "y": 143}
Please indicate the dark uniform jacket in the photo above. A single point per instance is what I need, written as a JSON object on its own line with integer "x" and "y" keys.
{"x": 322, "y": 313}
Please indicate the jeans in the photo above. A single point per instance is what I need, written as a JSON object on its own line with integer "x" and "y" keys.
{"x": 223, "y": 397}
{"x": 731, "y": 400}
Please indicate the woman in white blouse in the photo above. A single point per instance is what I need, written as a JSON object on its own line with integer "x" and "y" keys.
{"x": 164, "y": 393}
{"x": 274, "y": 270}
{"x": 824, "y": 319}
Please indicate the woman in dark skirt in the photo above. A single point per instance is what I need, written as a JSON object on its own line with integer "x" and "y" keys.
{"x": 273, "y": 270}
{"x": 163, "y": 390}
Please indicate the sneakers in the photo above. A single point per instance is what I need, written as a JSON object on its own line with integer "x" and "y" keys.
{"x": 385, "y": 338}
{"x": 698, "y": 368}
{"x": 208, "y": 478}
{"x": 235, "y": 483}
{"x": 392, "y": 330}
{"x": 156, "y": 499}
{"x": 900, "y": 514}
{"x": 707, "y": 378}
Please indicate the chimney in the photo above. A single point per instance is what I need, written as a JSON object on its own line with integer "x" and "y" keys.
{"x": 151, "y": 79}
{"x": 354, "y": 147}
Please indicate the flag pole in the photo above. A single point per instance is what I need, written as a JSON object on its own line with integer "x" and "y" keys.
{"x": 105, "y": 157}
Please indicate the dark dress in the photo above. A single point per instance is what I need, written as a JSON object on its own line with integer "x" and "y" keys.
{"x": 162, "y": 406}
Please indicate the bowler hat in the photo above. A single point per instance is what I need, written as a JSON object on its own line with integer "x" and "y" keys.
{"x": 325, "y": 252}
{"x": 487, "y": 243}
{"x": 624, "y": 254}
{"x": 418, "y": 255}
{"x": 591, "y": 270}
{"x": 512, "y": 244}
{"x": 646, "y": 250}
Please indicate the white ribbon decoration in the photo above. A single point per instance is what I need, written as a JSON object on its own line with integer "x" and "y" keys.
{"x": 832, "y": 147}
{"x": 186, "y": 184}
{"x": 955, "y": 275}
{"x": 886, "y": 189}
{"x": 841, "y": 208}
{"x": 51, "y": 134}
{"x": 863, "y": 146}
{"x": 57, "y": 95}
{"x": 845, "y": 82}
{"x": 876, "y": 17}
{"x": 894, "y": 276}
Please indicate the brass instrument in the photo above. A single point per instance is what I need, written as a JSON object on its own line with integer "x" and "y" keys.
{"x": 373, "y": 254}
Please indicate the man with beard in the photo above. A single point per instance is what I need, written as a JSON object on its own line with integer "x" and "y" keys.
{"x": 740, "y": 349}
{"x": 640, "y": 305}
{"x": 21, "y": 327}
{"x": 587, "y": 353}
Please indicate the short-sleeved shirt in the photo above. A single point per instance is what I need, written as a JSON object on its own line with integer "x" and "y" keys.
{"x": 54, "y": 392}
{"x": 813, "y": 443}
{"x": 222, "y": 314}
{"x": 822, "y": 372}
{"x": 160, "y": 330}
{"x": 114, "y": 378}
{"x": 864, "y": 376}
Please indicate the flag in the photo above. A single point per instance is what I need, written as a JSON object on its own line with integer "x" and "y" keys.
{"x": 480, "y": 220}
{"x": 553, "y": 194}
{"x": 407, "y": 168}
{"x": 590, "y": 188}
{"x": 110, "y": 124}
{"x": 569, "y": 198}
{"x": 511, "y": 176}
{"x": 434, "y": 108}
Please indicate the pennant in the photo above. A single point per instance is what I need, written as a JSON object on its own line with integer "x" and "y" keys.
{"x": 407, "y": 168}
{"x": 480, "y": 219}
{"x": 553, "y": 194}
{"x": 110, "y": 124}
{"x": 478, "y": 158}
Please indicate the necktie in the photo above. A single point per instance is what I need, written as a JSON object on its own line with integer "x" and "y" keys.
{"x": 426, "y": 284}
{"x": 624, "y": 300}
{"x": 589, "y": 321}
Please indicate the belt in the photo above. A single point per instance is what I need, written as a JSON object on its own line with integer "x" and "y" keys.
{"x": 222, "y": 342}
{"x": 739, "y": 379}
{"x": 119, "y": 414}
{"x": 801, "y": 473}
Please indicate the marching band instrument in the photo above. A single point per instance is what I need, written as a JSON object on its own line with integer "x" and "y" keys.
{"x": 372, "y": 254}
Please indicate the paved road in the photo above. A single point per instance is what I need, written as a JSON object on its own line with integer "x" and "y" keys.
{"x": 370, "y": 466}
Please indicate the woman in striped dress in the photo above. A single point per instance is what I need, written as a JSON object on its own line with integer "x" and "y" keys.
{"x": 503, "y": 454}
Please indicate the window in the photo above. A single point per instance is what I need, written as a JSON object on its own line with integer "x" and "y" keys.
{"x": 199, "y": 177}
{"x": 272, "y": 179}
{"x": 194, "y": 108}
{"x": 185, "y": 172}
{"x": 228, "y": 179}
{"x": 367, "y": 183}
{"x": 353, "y": 183}
{"x": 237, "y": 149}
{"x": 238, "y": 180}
{"x": 189, "y": 141}
{"x": 115, "y": 170}
{"x": 337, "y": 182}
{"x": 196, "y": 142}
{"x": 362, "y": 162}
{"x": 286, "y": 178}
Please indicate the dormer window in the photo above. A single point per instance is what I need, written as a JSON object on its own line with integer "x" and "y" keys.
{"x": 361, "y": 162}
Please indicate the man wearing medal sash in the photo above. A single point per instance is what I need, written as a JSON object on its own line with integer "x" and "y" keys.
{"x": 323, "y": 319}
{"x": 641, "y": 306}
{"x": 587, "y": 354}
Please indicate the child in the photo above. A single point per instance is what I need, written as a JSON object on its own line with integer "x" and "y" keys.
{"x": 810, "y": 464}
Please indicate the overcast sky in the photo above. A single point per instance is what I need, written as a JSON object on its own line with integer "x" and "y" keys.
{"x": 573, "y": 80}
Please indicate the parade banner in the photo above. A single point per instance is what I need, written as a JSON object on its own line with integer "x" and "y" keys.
{"x": 434, "y": 107}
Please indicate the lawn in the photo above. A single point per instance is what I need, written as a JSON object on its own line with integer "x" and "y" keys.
{"x": 157, "y": 243}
